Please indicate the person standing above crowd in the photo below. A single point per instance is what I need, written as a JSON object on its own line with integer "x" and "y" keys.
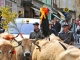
{"x": 36, "y": 33}
{"x": 66, "y": 35}
{"x": 56, "y": 25}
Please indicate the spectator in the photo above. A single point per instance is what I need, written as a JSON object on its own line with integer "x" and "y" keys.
{"x": 63, "y": 21}
{"x": 36, "y": 33}
{"x": 51, "y": 30}
{"x": 78, "y": 34}
{"x": 78, "y": 30}
{"x": 66, "y": 35}
{"x": 2, "y": 30}
{"x": 56, "y": 25}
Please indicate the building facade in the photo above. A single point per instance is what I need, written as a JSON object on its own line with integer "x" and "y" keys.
{"x": 70, "y": 4}
{"x": 77, "y": 8}
{"x": 14, "y": 5}
{"x": 73, "y": 5}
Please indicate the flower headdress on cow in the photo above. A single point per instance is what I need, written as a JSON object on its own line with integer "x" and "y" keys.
{"x": 44, "y": 21}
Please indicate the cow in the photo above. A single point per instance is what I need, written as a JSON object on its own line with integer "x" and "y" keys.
{"x": 24, "y": 46}
{"x": 7, "y": 51}
{"x": 27, "y": 47}
{"x": 49, "y": 50}
{"x": 72, "y": 53}
{"x": 24, "y": 51}
{"x": 54, "y": 50}
{"x": 54, "y": 37}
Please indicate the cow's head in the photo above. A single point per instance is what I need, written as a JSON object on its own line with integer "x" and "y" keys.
{"x": 7, "y": 52}
{"x": 27, "y": 46}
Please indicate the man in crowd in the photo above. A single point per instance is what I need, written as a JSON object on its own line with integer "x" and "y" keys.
{"x": 36, "y": 33}
{"x": 51, "y": 30}
{"x": 56, "y": 25}
{"x": 66, "y": 35}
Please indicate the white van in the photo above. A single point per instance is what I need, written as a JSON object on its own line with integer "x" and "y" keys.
{"x": 25, "y": 29}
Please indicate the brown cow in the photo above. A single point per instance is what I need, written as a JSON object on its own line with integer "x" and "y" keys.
{"x": 25, "y": 50}
{"x": 27, "y": 47}
{"x": 7, "y": 52}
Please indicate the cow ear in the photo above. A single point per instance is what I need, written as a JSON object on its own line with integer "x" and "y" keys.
{"x": 19, "y": 44}
{"x": 33, "y": 40}
{"x": 37, "y": 42}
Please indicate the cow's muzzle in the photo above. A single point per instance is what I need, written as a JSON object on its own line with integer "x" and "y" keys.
{"x": 27, "y": 54}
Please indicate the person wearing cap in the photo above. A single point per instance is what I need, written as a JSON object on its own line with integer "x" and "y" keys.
{"x": 36, "y": 33}
{"x": 51, "y": 30}
{"x": 66, "y": 35}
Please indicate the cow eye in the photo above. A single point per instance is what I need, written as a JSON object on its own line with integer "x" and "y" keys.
{"x": 0, "y": 52}
{"x": 10, "y": 52}
{"x": 22, "y": 46}
{"x": 30, "y": 45}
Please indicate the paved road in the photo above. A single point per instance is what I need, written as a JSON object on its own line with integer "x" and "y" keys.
{"x": 77, "y": 45}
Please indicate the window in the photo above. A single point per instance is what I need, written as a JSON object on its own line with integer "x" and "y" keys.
{"x": 44, "y": 1}
{"x": 48, "y": 2}
{"x": 70, "y": 4}
{"x": 57, "y": 2}
{"x": 63, "y": 3}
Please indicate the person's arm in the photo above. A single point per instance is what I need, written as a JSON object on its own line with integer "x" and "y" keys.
{"x": 59, "y": 35}
{"x": 59, "y": 27}
{"x": 54, "y": 31}
{"x": 30, "y": 37}
{"x": 72, "y": 38}
{"x": 41, "y": 35}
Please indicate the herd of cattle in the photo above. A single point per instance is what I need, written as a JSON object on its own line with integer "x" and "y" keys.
{"x": 29, "y": 49}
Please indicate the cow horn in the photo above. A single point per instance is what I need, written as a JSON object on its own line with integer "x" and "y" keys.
{"x": 38, "y": 46}
{"x": 19, "y": 42}
{"x": 63, "y": 46}
{"x": 34, "y": 40}
{"x": 18, "y": 35}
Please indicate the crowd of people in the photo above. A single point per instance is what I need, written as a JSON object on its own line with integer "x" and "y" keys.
{"x": 59, "y": 29}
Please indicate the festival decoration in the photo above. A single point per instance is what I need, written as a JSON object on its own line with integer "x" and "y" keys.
{"x": 8, "y": 17}
{"x": 44, "y": 21}
{"x": 8, "y": 37}
{"x": 44, "y": 11}
{"x": 13, "y": 51}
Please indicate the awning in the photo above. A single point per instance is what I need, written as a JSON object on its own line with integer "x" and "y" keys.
{"x": 36, "y": 10}
{"x": 57, "y": 17}
{"x": 62, "y": 16}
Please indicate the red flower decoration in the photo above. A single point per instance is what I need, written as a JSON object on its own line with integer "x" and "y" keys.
{"x": 8, "y": 37}
{"x": 13, "y": 52}
{"x": 21, "y": 34}
{"x": 46, "y": 10}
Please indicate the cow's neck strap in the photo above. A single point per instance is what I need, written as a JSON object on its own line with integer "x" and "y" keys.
{"x": 63, "y": 46}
